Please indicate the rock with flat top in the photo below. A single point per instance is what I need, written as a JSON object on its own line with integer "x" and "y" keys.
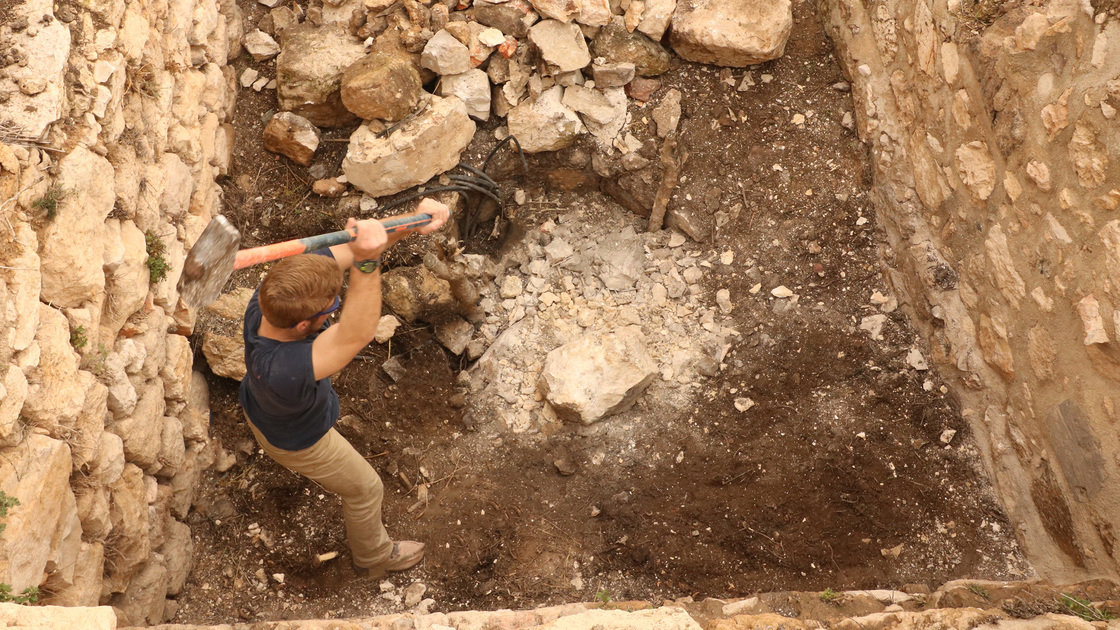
{"x": 597, "y": 375}
{"x": 425, "y": 146}
{"x": 562, "y": 45}
{"x": 381, "y": 86}
{"x": 544, "y": 124}
{"x": 444, "y": 54}
{"x": 261, "y": 46}
{"x": 309, "y": 72}
{"x": 293, "y": 136}
{"x": 473, "y": 88}
{"x": 735, "y": 33}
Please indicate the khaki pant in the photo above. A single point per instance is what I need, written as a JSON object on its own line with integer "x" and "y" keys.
{"x": 334, "y": 464}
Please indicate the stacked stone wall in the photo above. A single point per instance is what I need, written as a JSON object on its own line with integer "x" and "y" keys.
{"x": 995, "y": 144}
{"x": 113, "y": 128}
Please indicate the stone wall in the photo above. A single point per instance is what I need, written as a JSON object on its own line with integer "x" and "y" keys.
{"x": 994, "y": 139}
{"x": 113, "y": 127}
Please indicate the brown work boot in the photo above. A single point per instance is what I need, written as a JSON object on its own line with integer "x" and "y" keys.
{"x": 406, "y": 554}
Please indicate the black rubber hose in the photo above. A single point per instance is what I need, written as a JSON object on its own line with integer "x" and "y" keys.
{"x": 516, "y": 143}
{"x": 474, "y": 181}
{"x": 468, "y": 167}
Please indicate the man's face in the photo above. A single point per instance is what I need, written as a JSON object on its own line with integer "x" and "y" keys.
{"x": 316, "y": 321}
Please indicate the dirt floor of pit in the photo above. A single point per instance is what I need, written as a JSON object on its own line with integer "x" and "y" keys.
{"x": 836, "y": 478}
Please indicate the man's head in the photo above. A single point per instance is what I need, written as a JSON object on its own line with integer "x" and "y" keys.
{"x": 298, "y": 288}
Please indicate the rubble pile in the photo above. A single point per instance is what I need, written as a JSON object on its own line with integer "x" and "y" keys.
{"x": 418, "y": 76}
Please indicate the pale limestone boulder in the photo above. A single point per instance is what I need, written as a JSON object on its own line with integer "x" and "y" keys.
{"x": 544, "y": 124}
{"x": 153, "y": 337}
{"x": 177, "y": 187}
{"x": 195, "y": 416}
{"x": 13, "y": 392}
{"x": 84, "y": 588}
{"x": 178, "y": 552}
{"x": 166, "y": 291}
{"x": 473, "y": 88}
{"x": 121, "y": 393}
{"x": 127, "y": 282}
{"x": 425, "y": 146}
{"x": 605, "y": 133}
{"x": 976, "y": 168}
{"x": 260, "y": 45}
{"x": 656, "y": 18}
{"x": 142, "y": 603}
{"x": 293, "y": 136}
{"x": 594, "y": 12}
{"x": 562, "y": 10}
{"x": 129, "y": 514}
{"x": 159, "y": 510}
{"x": 109, "y": 465}
{"x": 142, "y": 430}
{"x": 226, "y": 353}
{"x": 309, "y": 72}
{"x": 58, "y": 617}
{"x": 24, "y": 286}
{"x": 172, "y": 447}
{"x": 134, "y": 32}
{"x": 68, "y": 243}
{"x": 381, "y": 86}
{"x": 598, "y": 375}
{"x": 444, "y": 54}
{"x": 184, "y": 486}
{"x": 56, "y": 387}
{"x": 562, "y": 46}
{"x": 735, "y": 33}
{"x": 176, "y": 370}
{"x": 85, "y": 439}
{"x": 93, "y": 512}
{"x": 37, "y": 473}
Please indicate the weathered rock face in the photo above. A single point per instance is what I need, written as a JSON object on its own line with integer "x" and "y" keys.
{"x": 381, "y": 86}
{"x": 86, "y": 344}
{"x": 735, "y": 33}
{"x": 1040, "y": 183}
{"x": 426, "y": 146}
{"x": 544, "y": 124}
{"x": 309, "y": 72}
{"x": 561, "y": 45}
{"x": 598, "y": 375}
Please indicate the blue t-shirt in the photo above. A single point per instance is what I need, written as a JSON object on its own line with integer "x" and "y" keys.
{"x": 279, "y": 392}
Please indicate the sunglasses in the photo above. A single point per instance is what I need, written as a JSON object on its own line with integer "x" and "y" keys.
{"x": 330, "y": 309}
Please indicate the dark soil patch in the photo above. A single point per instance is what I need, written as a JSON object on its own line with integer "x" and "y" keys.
{"x": 836, "y": 478}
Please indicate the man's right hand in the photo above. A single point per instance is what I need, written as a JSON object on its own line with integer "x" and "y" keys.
{"x": 371, "y": 241}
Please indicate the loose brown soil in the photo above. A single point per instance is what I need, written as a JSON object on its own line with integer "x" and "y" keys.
{"x": 836, "y": 478}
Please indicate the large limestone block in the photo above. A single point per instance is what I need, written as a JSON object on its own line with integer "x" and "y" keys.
{"x": 735, "y": 33}
{"x": 172, "y": 447}
{"x": 562, "y": 46}
{"x": 544, "y": 124}
{"x": 24, "y": 286}
{"x": 143, "y": 603}
{"x": 37, "y": 473}
{"x": 129, "y": 513}
{"x": 176, "y": 370}
{"x": 178, "y": 185}
{"x": 184, "y": 485}
{"x": 309, "y": 72}
{"x": 85, "y": 439}
{"x": 142, "y": 430}
{"x": 93, "y": 512}
{"x": 70, "y": 246}
{"x": 597, "y": 375}
{"x": 109, "y": 465}
{"x": 58, "y": 617}
{"x": 13, "y": 392}
{"x": 196, "y": 414}
{"x": 178, "y": 551}
{"x": 56, "y": 387}
{"x": 127, "y": 282}
{"x": 226, "y": 353}
{"x": 426, "y": 146}
{"x": 84, "y": 588}
{"x": 473, "y": 88}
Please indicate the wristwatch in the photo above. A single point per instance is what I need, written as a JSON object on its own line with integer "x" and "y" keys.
{"x": 368, "y": 266}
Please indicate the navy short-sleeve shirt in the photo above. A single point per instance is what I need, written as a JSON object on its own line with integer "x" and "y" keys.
{"x": 279, "y": 392}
